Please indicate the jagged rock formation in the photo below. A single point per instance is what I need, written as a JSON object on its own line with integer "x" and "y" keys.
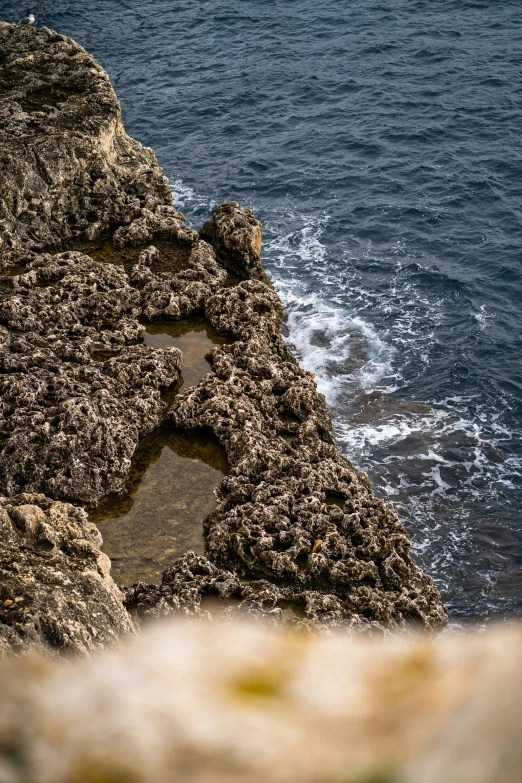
{"x": 235, "y": 703}
{"x": 55, "y": 584}
{"x": 91, "y": 248}
{"x": 293, "y": 513}
{"x": 236, "y": 238}
{"x": 67, "y": 167}
{"x": 77, "y": 389}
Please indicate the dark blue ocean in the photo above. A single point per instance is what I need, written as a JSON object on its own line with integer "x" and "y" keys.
{"x": 380, "y": 143}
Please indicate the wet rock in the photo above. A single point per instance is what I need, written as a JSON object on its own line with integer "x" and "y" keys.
{"x": 56, "y": 592}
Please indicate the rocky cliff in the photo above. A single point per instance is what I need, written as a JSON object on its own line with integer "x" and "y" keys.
{"x": 91, "y": 249}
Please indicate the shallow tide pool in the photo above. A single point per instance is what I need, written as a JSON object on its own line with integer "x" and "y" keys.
{"x": 173, "y": 475}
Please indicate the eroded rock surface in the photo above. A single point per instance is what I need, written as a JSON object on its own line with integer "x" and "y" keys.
{"x": 67, "y": 167}
{"x": 293, "y": 510}
{"x": 56, "y": 591}
{"x": 78, "y": 388}
{"x": 296, "y": 524}
{"x": 91, "y": 250}
{"x": 236, "y": 237}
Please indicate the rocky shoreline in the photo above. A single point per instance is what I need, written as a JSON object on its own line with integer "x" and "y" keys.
{"x": 91, "y": 249}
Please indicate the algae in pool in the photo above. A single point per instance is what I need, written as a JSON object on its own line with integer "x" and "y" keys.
{"x": 193, "y": 336}
{"x": 170, "y": 493}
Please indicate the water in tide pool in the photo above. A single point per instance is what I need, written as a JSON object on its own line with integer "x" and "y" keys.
{"x": 380, "y": 144}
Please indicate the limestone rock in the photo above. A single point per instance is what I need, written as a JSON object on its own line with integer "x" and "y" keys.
{"x": 56, "y": 592}
{"x": 235, "y": 702}
{"x": 77, "y": 389}
{"x": 195, "y": 587}
{"x": 67, "y": 167}
{"x": 92, "y": 250}
{"x": 165, "y": 223}
{"x": 290, "y": 486}
{"x": 235, "y": 233}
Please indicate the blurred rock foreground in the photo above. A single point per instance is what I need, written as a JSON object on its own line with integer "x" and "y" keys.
{"x": 242, "y": 703}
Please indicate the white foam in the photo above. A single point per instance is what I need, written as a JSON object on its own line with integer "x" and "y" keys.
{"x": 441, "y": 485}
{"x": 299, "y": 245}
{"x": 343, "y": 350}
{"x": 185, "y": 197}
{"x": 181, "y": 193}
{"x": 349, "y": 355}
{"x": 482, "y": 317}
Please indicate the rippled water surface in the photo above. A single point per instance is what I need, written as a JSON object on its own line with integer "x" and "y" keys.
{"x": 379, "y": 143}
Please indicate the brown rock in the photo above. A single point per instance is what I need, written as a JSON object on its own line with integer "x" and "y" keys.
{"x": 235, "y": 233}
{"x": 68, "y": 169}
{"x": 92, "y": 248}
{"x": 50, "y": 559}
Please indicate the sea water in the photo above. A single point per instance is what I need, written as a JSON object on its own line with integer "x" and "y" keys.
{"x": 380, "y": 145}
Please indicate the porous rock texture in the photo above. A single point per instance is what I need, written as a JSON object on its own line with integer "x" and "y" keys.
{"x": 67, "y": 167}
{"x": 91, "y": 249}
{"x": 236, "y": 238}
{"x": 240, "y": 703}
{"x": 55, "y": 585}
{"x": 295, "y": 517}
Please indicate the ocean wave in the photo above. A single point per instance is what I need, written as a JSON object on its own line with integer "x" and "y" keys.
{"x": 185, "y": 197}
{"x": 441, "y": 459}
{"x": 344, "y": 352}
